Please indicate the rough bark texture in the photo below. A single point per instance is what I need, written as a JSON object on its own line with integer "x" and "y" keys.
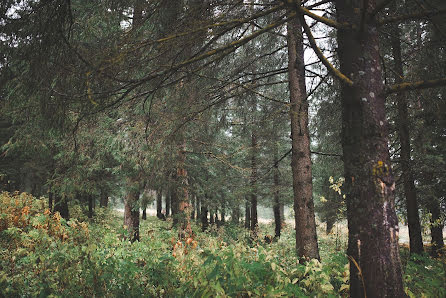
{"x": 276, "y": 203}
{"x": 61, "y": 206}
{"x": 131, "y": 211}
{"x": 253, "y": 215}
{"x": 413, "y": 218}
{"x": 306, "y": 238}
{"x": 372, "y": 221}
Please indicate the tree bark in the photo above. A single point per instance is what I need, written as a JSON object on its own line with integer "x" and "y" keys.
{"x": 90, "y": 206}
{"x": 50, "y": 201}
{"x": 204, "y": 218}
{"x": 131, "y": 210}
{"x": 413, "y": 218}
{"x": 276, "y": 203}
{"x": 104, "y": 200}
{"x": 247, "y": 214}
{"x": 372, "y": 221}
{"x": 253, "y": 215}
{"x": 159, "y": 203}
{"x": 437, "y": 226}
{"x": 306, "y": 237}
{"x": 168, "y": 202}
{"x": 61, "y": 206}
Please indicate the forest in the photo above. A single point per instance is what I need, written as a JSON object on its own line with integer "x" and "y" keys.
{"x": 222, "y": 148}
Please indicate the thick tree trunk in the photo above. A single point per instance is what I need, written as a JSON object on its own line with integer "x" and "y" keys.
{"x": 372, "y": 221}
{"x": 276, "y": 203}
{"x": 306, "y": 238}
{"x": 247, "y": 214}
{"x": 204, "y": 218}
{"x": 253, "y": 216}
{"x": 61, "y": 206}
{"x": 413, "y": 218}
{"x": 330, "y": 223}
{"x": 90, "y": 206}
{"x": 437, "y": 226}
{"x": 104, "y": 200}
{"x": 159, "y": 204}
{"x": 131, "y": 210}
{"x": 144, "y": 213}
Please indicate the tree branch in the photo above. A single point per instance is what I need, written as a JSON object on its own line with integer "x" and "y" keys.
{"x": 412, "y": 16}
{"x": 323, "y": 59}
{"x": 416, "y": 85}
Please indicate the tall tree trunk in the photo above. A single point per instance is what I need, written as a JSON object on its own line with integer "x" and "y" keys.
{"x": 131, "y": 210}
{"x": 372, "y": 221}
{"x": 413, "y": 218}
{"x": 235, "y": 214}
{"x": 198, "y": 207}
{"x": 276, "y": 203}
{"x": 159, "y": 203}
{"x": 247, "y": 214}
{"x": 223, "y": 214}
{"x": 144, "y": 213}
{"x": 254, "y": 221}
{"x": 168, "y": 202}
{"x": 204, "y": 217}
{"x": 437, "y": 226}
{"x": 306, "y": 237}
{"x": 183, "y": 193}
{"x": 193, "y": 203}
{"x": 103, "y": 200}
{"x": 50, "y": 201}
{"x": 61, "y": 206}
{"x": 90, "y": 205}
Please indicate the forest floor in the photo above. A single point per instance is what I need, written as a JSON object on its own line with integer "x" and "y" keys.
{"x": 44, "y": 255}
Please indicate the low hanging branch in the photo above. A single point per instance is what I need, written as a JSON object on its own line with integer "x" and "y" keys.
{"x": 321, "y": 56}
{"x": 412, "y": 16}
{"x": 415, "y": 85}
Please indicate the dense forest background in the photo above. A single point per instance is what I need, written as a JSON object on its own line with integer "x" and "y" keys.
{"x": 212, "y": 110}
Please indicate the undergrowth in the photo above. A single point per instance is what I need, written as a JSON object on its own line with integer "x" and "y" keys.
{"x": 44, "y": 255}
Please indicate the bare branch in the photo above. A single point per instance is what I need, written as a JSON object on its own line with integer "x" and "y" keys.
{"x": 416, "y": 85}
{"x": 323, "y": 59}
{"x": 412, "y": 16}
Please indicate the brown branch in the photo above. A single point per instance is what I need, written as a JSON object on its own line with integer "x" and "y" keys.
{"x": 323, "y": 59}
{"x": 326, "y": 21}
{"x": 412, "y": 16}
{"x": 416, "y": 85}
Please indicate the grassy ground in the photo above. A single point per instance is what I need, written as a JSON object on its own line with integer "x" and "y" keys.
{"x": 42, "y": 255}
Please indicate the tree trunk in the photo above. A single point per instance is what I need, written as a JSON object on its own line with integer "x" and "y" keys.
{"x": 254, "y": 221}
{"x": 104, "y": 200}
{"x": 247, "y": 214}
{"x": 306, "y": 237}
{"x": 437, "y": 225}
{"x": 193, "y": 203}
{"x": 276, "y": 203}
{"x": 413, "y": 218}
{"x": 168, "y": 201}
{"x": 61, "y": 206}
{"x": 372, "y": 221}
{"x": 235, "y": 214}
{"x": 223, "y": 215}
{"x": 50, "y": 201}
{"x": 204, "y": 218}
{"x": 131, "y": 210}
{"x": 90, "y": 206}
{"x": 198, "y": 207}
{"x": 144, "y": 213}
{"x": 330, "y": 223}
{"x": 185, "y": 229}
{"x": 159, "y": 204}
